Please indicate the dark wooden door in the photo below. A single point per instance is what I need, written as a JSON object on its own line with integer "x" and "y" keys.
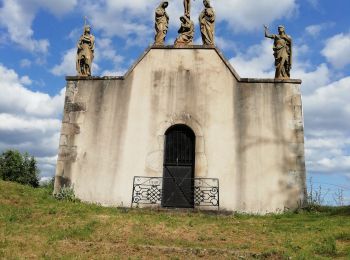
{"x": 179, "y": 162}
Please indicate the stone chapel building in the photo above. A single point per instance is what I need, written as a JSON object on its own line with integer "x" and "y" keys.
{"x": 181, "y": 129}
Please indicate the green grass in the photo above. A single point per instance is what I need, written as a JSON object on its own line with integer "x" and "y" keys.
{"x": 35, "y": 225}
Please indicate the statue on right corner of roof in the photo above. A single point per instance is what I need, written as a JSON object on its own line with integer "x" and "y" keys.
{"x": 282, "y": 49}
{"x": 207, "y": 23}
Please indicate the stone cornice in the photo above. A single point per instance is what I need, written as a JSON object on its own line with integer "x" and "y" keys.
{"x": 191, "y": 47}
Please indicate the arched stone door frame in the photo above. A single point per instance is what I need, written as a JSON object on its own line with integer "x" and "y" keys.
{"x": 201, "y": 163}
{"x": 178, "y": 167}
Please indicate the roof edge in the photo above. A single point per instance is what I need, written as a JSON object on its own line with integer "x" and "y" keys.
{"x": 173, "y": 47}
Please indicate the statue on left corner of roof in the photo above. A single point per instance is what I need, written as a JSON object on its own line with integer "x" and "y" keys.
{"x": 161, "y": 23}
{"x": 85, "y": 52}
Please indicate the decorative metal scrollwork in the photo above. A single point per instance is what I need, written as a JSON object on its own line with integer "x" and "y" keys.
{"x": 148, "y": 190}
{"x": 206, "y": 192}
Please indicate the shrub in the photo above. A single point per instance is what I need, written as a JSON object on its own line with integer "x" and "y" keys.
{"x": 18, "y": 167}
{"x": 66, "y": 193}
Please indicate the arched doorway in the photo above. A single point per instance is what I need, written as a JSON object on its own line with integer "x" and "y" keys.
{"x": 179, "y": 163}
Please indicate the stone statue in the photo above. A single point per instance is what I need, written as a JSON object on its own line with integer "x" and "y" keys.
{"x": 161, "y": 23}
{"x": 186, "y": 32}
{"x": 85, "y": 53}
{"x": 187, "y": 7}
{"x": 282, "y": 51}
{"x": 207, "y": 23}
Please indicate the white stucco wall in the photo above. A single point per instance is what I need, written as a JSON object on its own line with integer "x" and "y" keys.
{"x": 249, "y": 133}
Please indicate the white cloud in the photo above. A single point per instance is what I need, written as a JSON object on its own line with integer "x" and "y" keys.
{"x": 257, "y": 61}
{"x": 25, "y": 63}
{"x": 328, "y": 107}
{"x": 58, "y": 8}
{"x": 312, "y": 79}
{"x": 330, "y": 158}
{"x": 30, "y": 121}
{"x": 41, "y": 143}
{"x": 337, "y": 50}
{"x": 314, "y": 3}
{"x": 125, "y": 19}
{"x": 25, "y": 80}
{"x": 314, "y": 30}
{"x": 224, "y": 44}
{"x": 327, "y": 120}
{"x": 17, "y": 99}
{"x": 252, "y": 14}
{"x": 75, "y": 34}
{"x": 67, "y": 65}
{"x": 17, "y": 17}
{"x": 27, "y": 124}
{"x": 105, "y": 50}
{"x": 113, "y": 73}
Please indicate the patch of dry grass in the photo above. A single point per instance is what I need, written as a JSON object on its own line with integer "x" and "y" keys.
{"x": 35, "y": 225}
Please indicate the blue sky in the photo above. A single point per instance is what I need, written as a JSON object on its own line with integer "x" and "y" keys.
{"x": 37, "y": 50}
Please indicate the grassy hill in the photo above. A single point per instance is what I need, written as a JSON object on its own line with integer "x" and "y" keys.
{"x": 35, "y": 225}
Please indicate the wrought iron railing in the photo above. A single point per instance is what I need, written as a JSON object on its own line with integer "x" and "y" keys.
{"x": 148, "y": 190}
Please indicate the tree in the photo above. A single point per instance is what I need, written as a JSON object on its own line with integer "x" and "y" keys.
{"x": 18, "y": 167}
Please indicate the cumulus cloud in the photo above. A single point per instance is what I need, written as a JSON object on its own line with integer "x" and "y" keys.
{"x": 312, "y": 78}
{"x": 314, "y": 3}
{"x": 25, "y": 63}
{"x": 224, "y": 43}
{"x": 17, "y": 17}
{"x": 30, "y": 120}
{"x": 15, "y": 98}
{"x": 67, "y": 65}
{"x": 327, "y": 117}
{"x": 333, "y": 103}
{"x": 130, "y": 20}
{"x": 256, "y": 61}
{"x": 314, "y": 30}
{"x": 337, "y": 50}
{"x": 327, "y": 154}
{"x": 252, "y": 14}
{"x": 107, "y": 54}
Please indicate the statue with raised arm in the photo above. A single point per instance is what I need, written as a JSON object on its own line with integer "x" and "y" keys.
{"x": 85, "y": 53}
{"x": 161, "y": 23}
{"x": 186, "y": 32}
{"x": 207, "y": 23}
{"x": 282, "y": 49}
